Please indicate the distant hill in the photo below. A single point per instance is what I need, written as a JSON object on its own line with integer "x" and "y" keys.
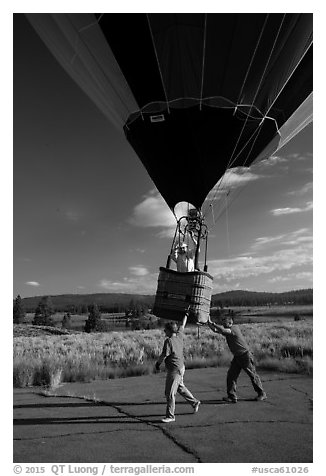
{"x": 252, "y": 298}
{"x": 110, "y": 302}
{"x": 118, "y": 302}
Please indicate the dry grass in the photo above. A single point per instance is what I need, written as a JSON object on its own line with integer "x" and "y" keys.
{"x": 52, "y": 359}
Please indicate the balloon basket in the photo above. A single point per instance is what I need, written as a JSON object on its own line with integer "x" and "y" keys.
{"x": 177, "y": 291}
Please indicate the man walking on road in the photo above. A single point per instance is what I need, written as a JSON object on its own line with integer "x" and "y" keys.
{"x": 242, "y": 359}
{"x": 172, "y": 354}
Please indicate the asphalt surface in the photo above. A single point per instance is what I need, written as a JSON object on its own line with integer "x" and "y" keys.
{"x": 119, "y": 421}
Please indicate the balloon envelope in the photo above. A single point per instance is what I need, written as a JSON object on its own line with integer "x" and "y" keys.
{"x": 195, "y": 94}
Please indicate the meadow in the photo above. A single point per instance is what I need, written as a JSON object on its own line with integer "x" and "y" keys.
{"x": 49, "y": 360}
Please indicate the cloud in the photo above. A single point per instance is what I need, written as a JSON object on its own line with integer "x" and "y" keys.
{"x": 166, "y": 232}
{"x": 297, "y": 241}
{"x": 273, "y": 166}
{"x": 152, "y": 211}
{"x": 224, "y": 287}
{"x": 138, "y": 284}
{"x": 294, "y": 238}
{"x": 295, "y": 155}
{"x": 309, "y": 170}
{"x": 245, "y": 267}
{"x": 72, "y": 215}
{"x": 289, "y": 210}
{"x": 231, "y": 180}
{"x": 262, "y": 241}
{"x": 294, "y": 251}
{"x": 32, "y": 283}
{"x": 307, "y": 188}
{"x": 138, "y": 270}
{"x": 69, "y": 214}
{"x": 291, "y": 260}
{"x": 306, "y": 275}
{"x": 272, "y": 161}
{"x": 115, "y": 286}
{"x": 301, "y": 157}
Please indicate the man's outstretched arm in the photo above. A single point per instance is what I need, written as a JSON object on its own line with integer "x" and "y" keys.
{"x": 217, "y": 328}
{"x": 184, "y": 321}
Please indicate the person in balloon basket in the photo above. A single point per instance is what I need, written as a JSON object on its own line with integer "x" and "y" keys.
{"x": 172, "y": 355}
{"x": 184, "y": 255}
{"x": 242, "y": 359}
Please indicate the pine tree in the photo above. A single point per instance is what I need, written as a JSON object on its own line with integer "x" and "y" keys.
{"x": 19, "y": 312}
{"x": 43, "y": 312}
{"x": 84, "y": 309}
{"x": 66, "y": 321}
{"x": 93, "y": 322}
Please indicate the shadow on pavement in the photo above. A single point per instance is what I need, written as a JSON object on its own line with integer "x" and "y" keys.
{"x": 116, "y": 404}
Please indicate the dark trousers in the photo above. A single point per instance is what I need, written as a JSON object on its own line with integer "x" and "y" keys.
{"x": 243, "y": 362}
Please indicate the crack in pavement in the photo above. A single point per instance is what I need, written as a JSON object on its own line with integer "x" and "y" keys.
{"x": 306, "y": 394}
{"x": 301, "y": 391}
{"x": 165, "y": 432}
{"x": 162, "y": 429}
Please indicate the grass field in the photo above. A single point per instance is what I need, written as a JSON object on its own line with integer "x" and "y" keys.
{"x": 47, "y": 359}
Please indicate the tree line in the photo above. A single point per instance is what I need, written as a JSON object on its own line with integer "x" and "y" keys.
{"x": 250, "y": 298}
{"x": 44, "y": 312}
{"x": 136, "y": 309}
{"x": 80, "y": 303}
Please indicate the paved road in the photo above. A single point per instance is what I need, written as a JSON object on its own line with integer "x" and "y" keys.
{"x": 118, "y": 421}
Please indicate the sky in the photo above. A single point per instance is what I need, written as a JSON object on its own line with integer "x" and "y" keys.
{"x": 88, "y": 219}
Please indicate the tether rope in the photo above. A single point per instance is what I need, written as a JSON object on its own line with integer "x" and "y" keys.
{"x": 227, "y": 223}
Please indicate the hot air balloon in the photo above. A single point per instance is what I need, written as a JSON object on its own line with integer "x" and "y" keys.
{"x": 196, "y": 95}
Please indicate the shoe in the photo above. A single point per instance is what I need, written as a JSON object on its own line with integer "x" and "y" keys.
{"x": 261, "y": 397}
{"x": 168, "y": 419}
{"x": 196, "y": 406}
{"x": 229, "y": 400}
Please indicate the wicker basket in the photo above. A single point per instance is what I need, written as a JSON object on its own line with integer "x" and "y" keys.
{"x": 176, "y": 291}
